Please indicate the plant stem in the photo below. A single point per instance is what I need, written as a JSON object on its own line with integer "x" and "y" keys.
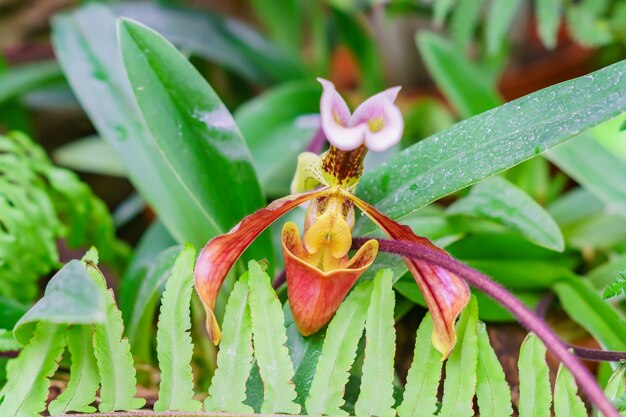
{"x": 526, "y": 317}
{"x": 597, "y": 355}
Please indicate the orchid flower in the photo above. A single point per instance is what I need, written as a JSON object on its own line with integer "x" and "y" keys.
{"x": 319, "y": 270}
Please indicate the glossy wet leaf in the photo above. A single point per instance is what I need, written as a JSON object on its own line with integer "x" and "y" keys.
{"x": 498, "y": 200}
{"x": 493, "y": 141}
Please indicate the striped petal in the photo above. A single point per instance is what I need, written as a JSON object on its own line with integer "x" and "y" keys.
{"x": 220, "y": 253}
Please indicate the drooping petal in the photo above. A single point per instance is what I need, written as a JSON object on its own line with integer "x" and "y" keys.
{"x": 383, "y": 120}
{"x": 220, "y": 253}
{"x": 335, "y": 116}
{"x": 445, "y": 293}
{"x": 314, "y": 295}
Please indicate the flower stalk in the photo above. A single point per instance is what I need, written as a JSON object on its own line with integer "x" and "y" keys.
{"x": 527, "y": 318}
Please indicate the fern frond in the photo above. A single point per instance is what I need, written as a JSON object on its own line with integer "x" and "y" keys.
{"x": 269, "y": 336}
{"x": 26, "y": 391}
{"x": 534, "y": 376}
{"x": 234, "y": 360}
{"x": 376, "y": 393}
{"x": 338, "y": 354}
{"x": 492, "y": 391}
{"x": 84, "y": 379}
{"x": 566, "y": 402}
{"x": 174, "y": 345}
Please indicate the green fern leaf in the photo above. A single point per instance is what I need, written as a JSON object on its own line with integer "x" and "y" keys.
{"x": 566, "y": 402}
{"x": 492, "y": 390}
{"x": 84, "y": 379}
{"x": 616, "y": 288}
{"x": 499, "y": 19}
{"x": 616, "y": 386}
{"x": 548, "y": 19}
{"x": 338, "y": 354}
{"x": 464, "y": 22}
{"x": 422, "y": 381}
{"x": 376, "y": 395}
{"x": 234, "y": 360}
{"x": 460, "y": 384}
{"x": 441, "y": 10}
{"x": 26, "y": 391}
{"x": 535, "y": 394}
{"x": 272, "y": 356}
{"x": 174, "y": 345}
{"x": 115, "y": 363}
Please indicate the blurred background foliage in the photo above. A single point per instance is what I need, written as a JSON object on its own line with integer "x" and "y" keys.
{"x": 453, "y": 58}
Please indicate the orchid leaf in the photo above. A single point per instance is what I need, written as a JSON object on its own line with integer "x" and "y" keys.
{"x": 174, "y": 345}
{"x": 422, "y": 382}
{"x": 272, "y": 356}
{"x": 84, "y": 379}
{"x": 234, "y": 360}
{"x": 338, "y": 354}
{"x": 492, "y": 391}
{"x": 459, "y": 386}
{"x": 535, "y": 395}
{"x": 376, "y": 393}
{"x": 566, "y": 402}
{"x": 494, "y": 141}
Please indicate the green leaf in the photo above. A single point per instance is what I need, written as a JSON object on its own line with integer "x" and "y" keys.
{"x": 84, "y": 379}
{"x": 441, "y": 10}
{"x": 22, "y": 79}
{"x": 460, "y": 383}
{"x": 234, "y": 44}
{"x": 616, "y": 386}
{"x": 26, "y": 391}
{"x": 283, "y": 21}
{"x": 462, "y": 82}
{"x": 422, "y": 382}
{"x": 7, "y": 341}
{"x": 376, "y": 393}
{"x": 548, "y": 19}
{"x": 500, "y": 17}
{"x": 463, "y": 23}
{"x": 604, "y": 274}
{"x": 70, "y": 298}
{"x": 174, "y": 345}
{"x": 234, "y": 359}
{"x": 535, "y": 393}
{"x": 92, "y": 155}
{"x": 270, "y": 352}
{"x": 193, "y": 129}
{"x": 566, "y": 402}
{"x": 595, "y": 168}
{"x": 616, "y": 288}
{"x": 492, "y": 391}
{"x": 10, "y": 312}
{"x": 115, "y": 362}
{"x": 491, "y": 142}
{"x": 585, "y": 306}
{"x": 498, "y": 200}
{"x": 338, "y": 354}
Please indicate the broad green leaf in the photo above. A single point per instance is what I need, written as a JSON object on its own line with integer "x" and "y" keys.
{"x": 585, "y": 306}
{"x": 234, "y": 360}
{"x": 566, "y": 402}
{"x": 24, "y": 78}
{"x": 616, "y": 288}
{"x": 277, "y": 126}
{"x": 498, "y": 200}
{"x": 595, "y": 168}
{"x": 548, "y": 18}
{"x": 174, "y": 345}
{"x": 500, "y": 17}
{"x": 376, "y": 392}
{"x": 338, "y": 354}
{"x": 70, "y": 298}
{"x": 193, "y": 129}
{"x": 535, "y": 392}
{"x": 491, "y": 142}
{"x": 492, "y": 391}
{"x": 92, "y": 155}
{"x": 112, "y": 351}
{"x": 464, "y": 22}
{"x": 234, "y": 45}
{"x": 272, "y": 356}
{"x": 459, "y": 386}
{"x": 422, "y": 381}
{"x": 26, "y": 391}
{"x": 84, "y": 379}
{"x": 463, "y": 83}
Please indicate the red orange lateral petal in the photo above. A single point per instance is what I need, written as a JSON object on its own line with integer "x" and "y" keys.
{"x": 220, "y": 253}
{"x": 445, "y": 293}
{"x": 315, "y": 295}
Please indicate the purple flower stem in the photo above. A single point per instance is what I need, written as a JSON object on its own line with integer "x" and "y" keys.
{"x": 317, "y": 141}
{"x": 527, "y": 318}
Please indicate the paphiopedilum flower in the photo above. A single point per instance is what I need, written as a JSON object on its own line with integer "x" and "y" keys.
{"x": 319, "y": 270}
